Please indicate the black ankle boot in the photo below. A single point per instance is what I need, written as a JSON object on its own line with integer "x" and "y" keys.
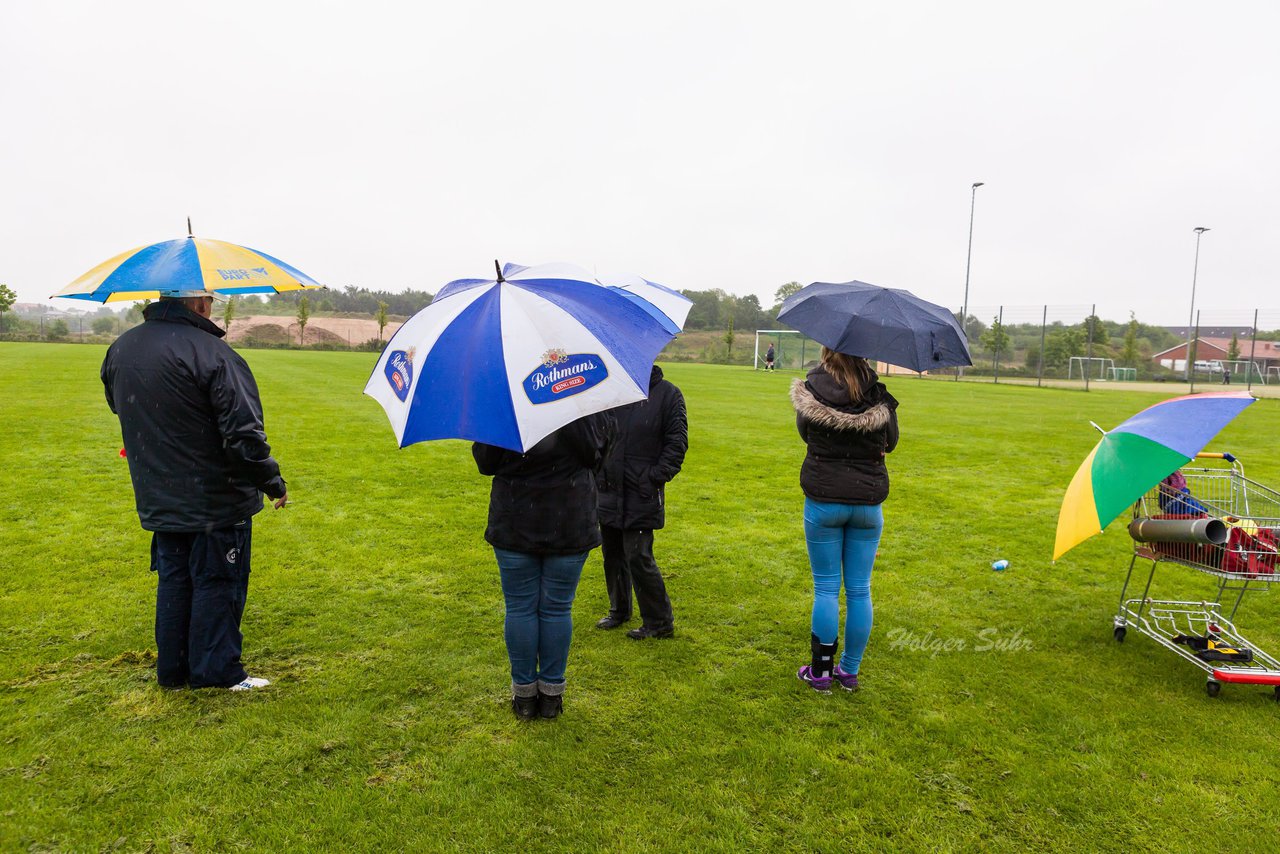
{"x": 823, "y": 657}
{"x": 550, "y": 705}
{"x": 525, "y": 706}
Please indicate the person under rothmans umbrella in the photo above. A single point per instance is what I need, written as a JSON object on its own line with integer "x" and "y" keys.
{"x": 653, "y": 436}
{"x": 542, "y": 524}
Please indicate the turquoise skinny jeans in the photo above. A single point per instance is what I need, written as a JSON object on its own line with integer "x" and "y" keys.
{"x": 842, "y": 540}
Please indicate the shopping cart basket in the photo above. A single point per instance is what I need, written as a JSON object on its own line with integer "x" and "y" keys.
{"x": 1227, "y": 526}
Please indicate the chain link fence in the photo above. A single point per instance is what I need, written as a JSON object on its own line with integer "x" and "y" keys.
{"x": 1069, "y": 345}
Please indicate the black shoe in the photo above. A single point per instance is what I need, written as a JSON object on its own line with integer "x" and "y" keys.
{"x": 645, "y": 632}
{"x": 550, "y": 705}
{"x": 526, "y": 708}
{"x": 609, "y": 622}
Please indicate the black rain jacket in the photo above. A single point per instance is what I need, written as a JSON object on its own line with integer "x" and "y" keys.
{"x": 544, "y": 501}
{"x": 191, "y": 421}
{"x": 653, "y": 436}
{"x": 846, "y": 441}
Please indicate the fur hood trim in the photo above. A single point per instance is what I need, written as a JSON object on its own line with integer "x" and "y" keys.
{"x": 867, "y": 421}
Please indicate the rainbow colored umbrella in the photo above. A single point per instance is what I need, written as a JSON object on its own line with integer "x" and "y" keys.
{"x": 1137, "y": 455}
{"x": 186, "y": 267}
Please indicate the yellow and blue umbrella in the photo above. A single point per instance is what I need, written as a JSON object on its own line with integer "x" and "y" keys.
{"x": 187, "y": 267}
{"x": 1135, "y": 456}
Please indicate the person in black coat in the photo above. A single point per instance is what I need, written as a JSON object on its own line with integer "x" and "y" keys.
{"x": 542, "y": 524}
{"x": 849, "y": 422}
{"x": 198, "y": 456}
{"x": 653, "y": 436}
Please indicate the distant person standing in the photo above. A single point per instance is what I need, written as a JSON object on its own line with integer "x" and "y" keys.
{"x": 848, "y": 421}
{"x": 542, "y": 524}
{"x": 769, "y": 357}
{"x": 1226, "y": 375}
{"x": 653, "y": 436}
{"x": 191, "y": 421}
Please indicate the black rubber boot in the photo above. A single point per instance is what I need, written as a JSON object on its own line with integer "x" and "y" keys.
{"x": 823, "y": 657}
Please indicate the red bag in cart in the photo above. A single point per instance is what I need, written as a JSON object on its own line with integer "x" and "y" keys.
{"x": 1244, "y": 553}
{"x": 1263, "y": 561}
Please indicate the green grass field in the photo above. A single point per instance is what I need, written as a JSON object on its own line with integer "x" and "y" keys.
{"x": 1013, "y": 721}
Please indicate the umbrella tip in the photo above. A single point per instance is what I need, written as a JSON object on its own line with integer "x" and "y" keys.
{"x": 190, "y": 233}
{"x": 498, "y": 268}
{"x": 1099, "y": 429}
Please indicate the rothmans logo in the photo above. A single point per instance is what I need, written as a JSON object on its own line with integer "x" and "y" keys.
{"x": 563, "y": 375}
{"x": 399, "y": 372}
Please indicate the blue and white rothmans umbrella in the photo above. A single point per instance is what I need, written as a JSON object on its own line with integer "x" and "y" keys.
{"x": 507, "y": 361}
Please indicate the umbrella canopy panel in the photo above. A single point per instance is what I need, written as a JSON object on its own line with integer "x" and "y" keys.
{"x": 185, "y": 265}
{"x": 669, "y": 306}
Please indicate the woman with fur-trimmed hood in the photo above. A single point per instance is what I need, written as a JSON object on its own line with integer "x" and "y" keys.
{"x": 849, "y": 421}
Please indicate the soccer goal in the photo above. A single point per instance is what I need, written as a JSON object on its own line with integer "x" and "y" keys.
{"x": 1122, "y": 374}
{"x": 1083, "y": 364}
{"x": 1273, "y": 373}
{"x": 792, "y": 350}
{"x": 1243, "y": 371}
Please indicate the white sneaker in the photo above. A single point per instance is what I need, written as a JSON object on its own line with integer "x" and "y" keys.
{"x": 249, "y": 683}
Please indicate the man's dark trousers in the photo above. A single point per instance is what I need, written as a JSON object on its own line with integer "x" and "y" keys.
{"x": 628, "y": 562}
{"x": 203, "y": 582}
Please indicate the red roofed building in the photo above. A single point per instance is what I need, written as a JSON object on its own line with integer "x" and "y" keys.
{"x": 1265, "y": 353}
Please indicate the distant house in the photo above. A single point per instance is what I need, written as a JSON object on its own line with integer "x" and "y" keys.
{"x": 1214, "y": 349}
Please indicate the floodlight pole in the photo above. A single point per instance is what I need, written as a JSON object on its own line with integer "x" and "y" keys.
{"x": 1191, "y": 319}
{"x": 964, "y": 311}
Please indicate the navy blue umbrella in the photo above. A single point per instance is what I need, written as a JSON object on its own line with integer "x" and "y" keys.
{"x": 886, "y": 324}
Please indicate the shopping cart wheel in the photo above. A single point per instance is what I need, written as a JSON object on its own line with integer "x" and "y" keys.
{"x": 1119, "y": 634}
{"x": 1213, "y": 687}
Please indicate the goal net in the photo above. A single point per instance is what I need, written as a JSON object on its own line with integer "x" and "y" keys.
{"x": 1096, "y": 366}
{"x": 1122, "y": 374}
{"x": 792, "y": 350}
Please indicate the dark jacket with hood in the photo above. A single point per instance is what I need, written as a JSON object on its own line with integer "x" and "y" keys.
{"x": 846, "y": 441}
{"x": 191, "y": 421}
{"x": 653, "y": 436}
{"x": 544, "y": 501}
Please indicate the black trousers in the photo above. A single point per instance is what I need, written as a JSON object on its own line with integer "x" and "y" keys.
{"x": 200, "y": 596}
{"x": 628, "y": 564}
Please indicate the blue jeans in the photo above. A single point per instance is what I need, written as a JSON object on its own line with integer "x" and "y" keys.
{"x": 842, "y": 540}
{"x": 539, "y": 591}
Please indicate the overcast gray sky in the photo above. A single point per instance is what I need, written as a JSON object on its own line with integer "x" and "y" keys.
{"x": 700, "y": 144}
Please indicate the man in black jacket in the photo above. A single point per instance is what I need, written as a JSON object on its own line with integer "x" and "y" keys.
{"x": 653, "y": 436}
{"x": 192, "y": 427}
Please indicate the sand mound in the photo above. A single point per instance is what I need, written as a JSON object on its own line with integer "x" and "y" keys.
{"x": 269, "y": 329}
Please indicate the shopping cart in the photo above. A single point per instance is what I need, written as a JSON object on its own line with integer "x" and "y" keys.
{"x": 1236, "y": 524}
